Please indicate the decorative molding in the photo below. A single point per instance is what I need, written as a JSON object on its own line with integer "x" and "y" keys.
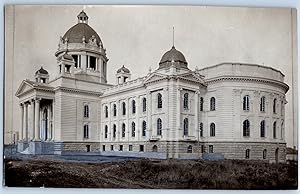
{"x": 249, "y": 79}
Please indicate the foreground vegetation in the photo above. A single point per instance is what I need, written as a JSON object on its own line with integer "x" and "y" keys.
{"x": 175, "y": 174}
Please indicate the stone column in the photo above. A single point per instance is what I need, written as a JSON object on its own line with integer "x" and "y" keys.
{"x": 197, "y": 114}
{"x": 37, "y": 120}
{"x": 33, "y": 118}
{"x": 128, "y": 111}
{"x": 22, "y": 120}
{"x": 149, "y": 115}
{"x": 26, "y": 122}
{"x": 48, "y": 123}
{"x": 53, "y": 121}
{"x": 83, "y": 61}
{"x": 179, "y": 132}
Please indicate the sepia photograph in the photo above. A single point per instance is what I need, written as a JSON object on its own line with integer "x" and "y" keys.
{"x": 150, "y": 97}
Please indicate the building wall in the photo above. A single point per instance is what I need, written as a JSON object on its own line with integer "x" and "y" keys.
{"x": 70, "y": 120}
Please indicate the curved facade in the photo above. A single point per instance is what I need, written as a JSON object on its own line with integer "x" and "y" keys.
{"x": 231, "y": 110}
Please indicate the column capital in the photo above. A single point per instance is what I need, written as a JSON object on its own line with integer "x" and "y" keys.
{"x": 21, "y": 105}
{"x": 37, "y": 99}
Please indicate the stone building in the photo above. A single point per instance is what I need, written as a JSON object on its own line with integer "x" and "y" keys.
{"x": 233, "y": 109}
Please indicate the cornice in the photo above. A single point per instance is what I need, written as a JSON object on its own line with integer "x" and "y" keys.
{"x": 73, "y": 90}
{"x": 247, "y": 79}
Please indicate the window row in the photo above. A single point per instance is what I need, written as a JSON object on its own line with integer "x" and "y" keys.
{"x": 212, "y": 104}
{"x": 246, "y": 129}
{"x": 130, "y": 148}
{"x": 123, "y": 130}
{"x": 133, "y": 106}
{"x": 262, "y": 104}
{"x": 247, "y": 154}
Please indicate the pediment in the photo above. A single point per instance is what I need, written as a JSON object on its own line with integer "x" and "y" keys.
{"x": 154, "y": 77}
{"x": 24, "y": 87}
{"x": 192, "y": 77}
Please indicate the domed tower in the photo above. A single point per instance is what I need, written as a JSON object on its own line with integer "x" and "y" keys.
{"x": 173, "y": 61}
{"x": 85, "y": 46}
{"x": 41, "y": 75}
{"x": 123, "y": 75}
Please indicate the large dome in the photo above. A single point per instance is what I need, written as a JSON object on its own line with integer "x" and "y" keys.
{"x": 81, "y": 30}
{"x": 172, "y": 56}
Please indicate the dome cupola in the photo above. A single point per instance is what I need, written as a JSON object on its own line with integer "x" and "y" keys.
{"x": 41, "y": 75}
{"x": 173, "y": 57}
{"x": 123, "y": 69}
{"x": 84, "y": 45}
{"x": 123, "y": 75}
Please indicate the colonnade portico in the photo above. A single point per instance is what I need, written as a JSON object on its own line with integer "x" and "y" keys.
{"x": 36, "y": 120}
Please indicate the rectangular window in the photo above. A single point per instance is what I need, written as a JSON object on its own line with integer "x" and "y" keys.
{"x": 202, "y": 149}
{"x": 75, "y": 57}
{"x": 88, "y": 148}
{"x": 103, "y": 148}
{"x": 112, "y": 147}
{"x": 93, "y": 63}
{"x": 247, "y": 155}
{"x": 211, "y": 149}
{"x": 141, "y": 148}
{"x": 121, "y": 148}
{"x": 130, "y": 148}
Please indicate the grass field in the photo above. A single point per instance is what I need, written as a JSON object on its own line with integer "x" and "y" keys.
{"x": 164, "y": 174}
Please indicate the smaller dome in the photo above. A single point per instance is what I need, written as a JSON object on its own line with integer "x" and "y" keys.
{"x": 173, "y": 55}
{"x": 41, "y": 71}
{"x": 82, "y": 16}
{"x": 123, "y": 69}
{"x": 67, "y": 56}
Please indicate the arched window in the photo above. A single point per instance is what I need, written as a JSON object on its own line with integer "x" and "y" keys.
{"x": 154, "y": 148}
{"x": 246, "y": 128}
{"x": 281, "y": 131}
{"x": 133, "y": 129}
{"x": 144, "y": 104}
{"x": 86, "y": 131}
{"x": 262, "y": 128}
{"x": 186, "y": 127}
{"x": 274, "y": 105}
{"x": 86, "y": 111}
{"x": 274, "y": 130}
{"x": 159, "y": 126}
{"x": 201, "y": 104}
{"x": 144, "y": 125}
{"x": 186, "y": 101}
{"x": 262, "y": 104}
{"x": 106, "y": 111}
{"x": 201, "y": 129}
{"x": 114, "y": 131}
{"x": 212, "y": 130}
{"x": 115, "y": 110}
{"x": 212, "y": 104}
{"x": 123, "y": 130}
{"x": 265, "y": 154}
{"x": 246, "y": 103}
{"x": 105, "y": 131}
{"x": 133, "y": 107}
{"x": 159, "y": 100}
{"x": 190, "y": 149}
{"x": 123, "y": 108}
{"x": 247, "y": 154}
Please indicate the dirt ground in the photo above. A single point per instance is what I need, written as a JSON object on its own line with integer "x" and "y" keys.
{"x": 151, "y": 174}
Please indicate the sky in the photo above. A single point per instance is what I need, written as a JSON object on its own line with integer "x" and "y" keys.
{"x": 138, "y": 36}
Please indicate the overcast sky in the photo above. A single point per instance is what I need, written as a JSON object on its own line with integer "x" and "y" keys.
{"x": 137, "y": 37}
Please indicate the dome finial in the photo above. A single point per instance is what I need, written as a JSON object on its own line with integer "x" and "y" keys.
{"x": 173, "y": 37}
{"x": 82, "y": 17}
